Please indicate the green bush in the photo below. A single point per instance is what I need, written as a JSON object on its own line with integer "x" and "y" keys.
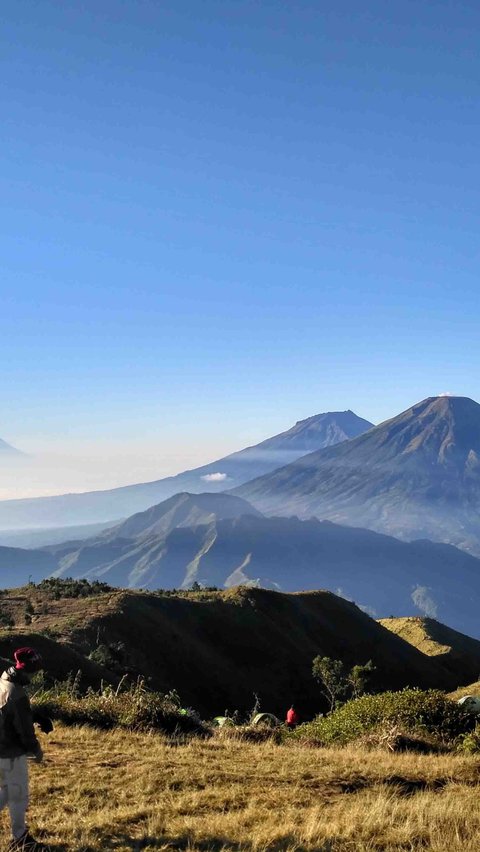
{"x": 413, "y": 710}
{"x": 111, "y": 656}
{"x": 470, "y": 743}
{"x": 59, "y": 587}
{"x": 130, "y": 706}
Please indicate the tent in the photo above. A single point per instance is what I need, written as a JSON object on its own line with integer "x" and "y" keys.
{"x": 470, "y": 703}
{"x": 266, "y": 719}
{"x": 222, "y": 721}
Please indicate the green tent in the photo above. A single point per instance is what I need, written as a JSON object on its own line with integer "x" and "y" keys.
{"x": 266, "y": 719}
{"x": 222, "y": 721}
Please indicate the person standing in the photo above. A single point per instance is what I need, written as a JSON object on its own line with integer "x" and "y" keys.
{"x": 17, "y": 743}
{"x": 292, "y": 718}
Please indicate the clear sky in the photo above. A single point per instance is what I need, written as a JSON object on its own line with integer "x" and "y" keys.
{"x": 220, "y": 217}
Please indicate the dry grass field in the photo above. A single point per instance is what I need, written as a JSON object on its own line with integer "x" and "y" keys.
{"x": 122, "y": 791}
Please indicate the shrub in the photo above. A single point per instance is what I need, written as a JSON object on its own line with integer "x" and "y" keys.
{"x": 130, "y": 706}
{"x": 428, "y": 713}
{"x": 58, "y": 587}
{"x": 338, "y": 682}
{"x": 110, "y": 656}
{"x": 469, "y": 743}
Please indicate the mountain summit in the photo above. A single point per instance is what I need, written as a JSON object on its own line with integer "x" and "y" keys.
{"x": 317, "y": 432}
{"x": 415, "y": 476}
{"x": 322, "y": 430}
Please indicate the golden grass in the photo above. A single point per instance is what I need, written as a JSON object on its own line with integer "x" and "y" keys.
{"x": 118, "y": 791}
{"x": 471, "y": 689}
{"x": 414, "y": 630}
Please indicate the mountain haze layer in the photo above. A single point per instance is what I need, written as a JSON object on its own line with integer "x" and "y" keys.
{"x": 414, "y": 476}
{"x": 322, "y": 430}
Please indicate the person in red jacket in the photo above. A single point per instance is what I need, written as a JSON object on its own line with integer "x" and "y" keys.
{"x": 17, "y": 743}
{"x": 292, "y": 718}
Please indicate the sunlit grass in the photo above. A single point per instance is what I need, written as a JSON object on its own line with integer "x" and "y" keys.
{"x": 125, "y": 791}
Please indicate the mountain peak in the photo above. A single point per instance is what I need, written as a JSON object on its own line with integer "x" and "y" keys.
{"x": 444, "y": 428}
{"x": 317, "y": 432}
{"x": 414, "y": 476}
{"x": 181, "y": 510}
{"x": 329, "y": 415}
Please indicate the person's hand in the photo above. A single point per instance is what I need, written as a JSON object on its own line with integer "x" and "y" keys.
{"x": 42, "y": 720}
{"x": 45, "y": 724}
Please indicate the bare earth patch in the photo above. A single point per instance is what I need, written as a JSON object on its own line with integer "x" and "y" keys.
{"x": 121, "y": 791}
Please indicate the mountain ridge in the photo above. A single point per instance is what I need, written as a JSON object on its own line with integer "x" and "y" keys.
{"x": 218, "y": 649}
{"x": 416, "y": 475}
{"x": 229, "y": 543}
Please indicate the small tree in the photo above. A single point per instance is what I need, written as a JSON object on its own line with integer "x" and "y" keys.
{"x": 358, "y": 678}
{"x": 332, "y": 677}
{"x": 338, "y": 682}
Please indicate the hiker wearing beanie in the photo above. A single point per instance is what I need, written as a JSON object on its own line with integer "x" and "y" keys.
{"x": 17, "y": 742}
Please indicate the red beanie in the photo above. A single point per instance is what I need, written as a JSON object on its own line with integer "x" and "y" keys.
{"x": 27, "y": 659}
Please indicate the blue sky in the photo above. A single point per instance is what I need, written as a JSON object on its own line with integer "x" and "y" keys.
{"x": 220, "y": 217}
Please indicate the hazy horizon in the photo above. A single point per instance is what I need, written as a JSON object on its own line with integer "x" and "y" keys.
{"x": 59, "y": 465}
{"x": 100, "y": 467}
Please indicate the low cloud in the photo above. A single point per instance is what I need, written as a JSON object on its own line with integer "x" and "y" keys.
{"x": 214, "y": 477}
{"x": 424, "y": 601}
{"x": 368, "y": 610}
{"x": 446, "y": 393}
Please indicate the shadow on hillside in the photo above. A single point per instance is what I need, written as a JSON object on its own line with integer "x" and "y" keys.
{"x": 183, "y": 842}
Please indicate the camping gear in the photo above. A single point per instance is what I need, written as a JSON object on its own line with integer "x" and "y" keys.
{"x": 471, "y": 703}
{"x": 266, "y": 719}
{"x": 222, "y": 721}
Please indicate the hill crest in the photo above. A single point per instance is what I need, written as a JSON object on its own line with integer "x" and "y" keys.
{"x": 220, "y": 648}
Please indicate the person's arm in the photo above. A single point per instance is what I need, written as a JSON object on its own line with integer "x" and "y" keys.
{"x": 23, "y": 723}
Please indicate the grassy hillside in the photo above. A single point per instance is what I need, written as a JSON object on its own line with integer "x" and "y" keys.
{"x": 458, "y": 653}
{"x": 218, "y": 649}
{"x": 470, "y": 689}
{"x": 116, "y": 791}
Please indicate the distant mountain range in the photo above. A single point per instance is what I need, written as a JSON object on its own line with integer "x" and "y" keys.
{"x": 220, "y": 540}
{"x": 415, "y": 476}
{"x": 322, "y": 430}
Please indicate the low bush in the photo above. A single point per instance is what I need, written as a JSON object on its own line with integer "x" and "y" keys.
{"x": 130, "y": 706}
{"x": 65, "y": 587}
{"x": 469, "y": 743}
{"x": 427, "y": 714}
